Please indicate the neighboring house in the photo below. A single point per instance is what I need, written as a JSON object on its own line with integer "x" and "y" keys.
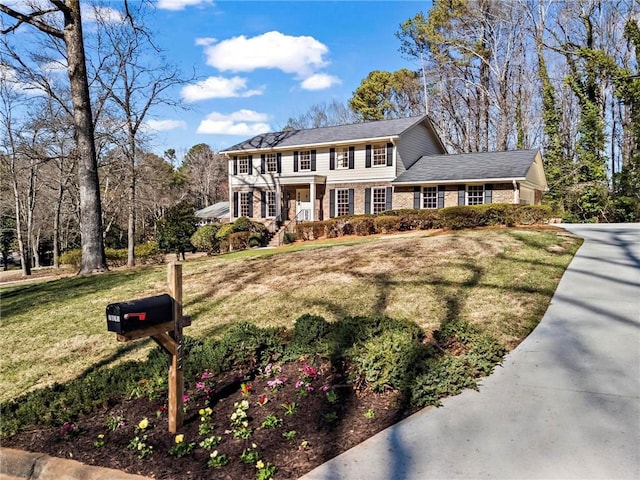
{"x": 370, "y": 167}
{"x": 218, "y": 212}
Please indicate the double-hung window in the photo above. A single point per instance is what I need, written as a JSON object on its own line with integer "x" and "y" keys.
{"x": 378, "y": 200}
{"x": 271, "y": 203}
{"x": 379, "y": 154}
{"x": 305, "y": 160}
{"x": 475, "y": 194}
{"x": 342, "y": 157}
{"x": 243, "y": 164}
{"x": 430, "y": 197}
{"x": 245, "y": 201}
{"x": 342, "y": 202}
{"x": 271, "y": 162}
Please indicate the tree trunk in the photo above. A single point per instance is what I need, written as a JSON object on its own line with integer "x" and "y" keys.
{"x": 93, "y": 257}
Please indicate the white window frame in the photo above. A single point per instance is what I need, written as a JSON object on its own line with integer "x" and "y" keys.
{"x": 243, "y": 165}
{"x": 475, "y": 195}
{"x": 304, "y": 157}
{"x": 342, "y": 158}
{"x": 245, "y": 200}
{"x": 379, "y": 155}
{"x": 342, "y": 202}
{"x": 378, "y": 199}
{"x": 429, "y": 200}
{"x": 271, "y": 163}
{"x": 271, "y": 203}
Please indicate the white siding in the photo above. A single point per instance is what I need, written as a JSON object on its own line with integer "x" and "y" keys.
{"x": 414, "y": 143}
{"x": 536, "y": 175}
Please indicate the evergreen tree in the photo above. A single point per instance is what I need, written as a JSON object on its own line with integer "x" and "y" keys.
{"x": 176, "y": 228}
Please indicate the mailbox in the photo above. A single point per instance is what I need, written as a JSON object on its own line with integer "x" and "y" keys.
{"x": 124, "y": 317}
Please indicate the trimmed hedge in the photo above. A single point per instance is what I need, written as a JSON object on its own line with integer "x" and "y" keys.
{"x": 146, "y": 254}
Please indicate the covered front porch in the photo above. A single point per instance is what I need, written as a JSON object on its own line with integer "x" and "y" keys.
{"x": 299, "y": 198}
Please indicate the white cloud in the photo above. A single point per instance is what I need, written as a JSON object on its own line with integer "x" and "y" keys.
{"x": 165, "y": 125}
{"x": 106, "y": 14}
{"x": 10, "y": 76}
{"x": 242, "y": 122}
{"x": 218, "y": 87}
{"x": 181, "y": 4}
{"x": 298, "y": 55}
{"x": 319, "y": 81}
{"x": 205, "y": 41}
{"x": 55, "y": 66}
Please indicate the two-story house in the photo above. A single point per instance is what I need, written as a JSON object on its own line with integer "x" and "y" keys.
{"x": 370, "y": 167}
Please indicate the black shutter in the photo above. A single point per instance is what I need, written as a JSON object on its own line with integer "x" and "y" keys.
{"x": 313, "y": 160}
{"x": 351, "y": 200}
{"x": 295, "y": 161}
{"x": 235, "y": 165}
{"x": 389, "y": 199}
{"x": 250, "y": 205}
{"x": 461, "y": 192}
{"x": 262, "y": 166}
{"x": 332, "y": 203}
{"x": 332, "y": 159}
{"x": 367, "y": 200}
{"x": 488, "y": 193}
{"x": 263, "y": 204}
{"x": 352, "y": 151}
{"x": 250, "y": 164}
{"x": 279, "y": 160}
{"x": 389, "y": 154}
{"x": 416, "y": 197}
{"x": 367, "y": 162}
{"x": 440, "y": 196}
{"x": 235, "y": 204}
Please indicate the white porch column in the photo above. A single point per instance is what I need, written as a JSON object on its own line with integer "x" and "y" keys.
{"x": 312, "y": 188}
{"x": 516, "y": 193}
{"x": 278, "y": 201}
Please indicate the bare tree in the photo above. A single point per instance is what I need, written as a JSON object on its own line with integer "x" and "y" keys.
{"x": 47, "y": 21}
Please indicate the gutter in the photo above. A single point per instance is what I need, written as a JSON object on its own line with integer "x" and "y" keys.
{"x": 309, "y": 145}
{"x": 462, "y": 180}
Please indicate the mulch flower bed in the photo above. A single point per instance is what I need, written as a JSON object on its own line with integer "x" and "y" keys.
{"x": 280, "y": 422}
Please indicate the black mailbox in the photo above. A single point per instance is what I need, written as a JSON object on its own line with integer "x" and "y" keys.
{"x": 125, "y": 317}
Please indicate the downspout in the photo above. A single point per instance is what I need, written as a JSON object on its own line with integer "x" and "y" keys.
{"x": 229, "y": 191}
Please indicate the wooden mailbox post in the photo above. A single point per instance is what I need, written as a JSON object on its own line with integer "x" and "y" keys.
{"x": 169, "y": 336}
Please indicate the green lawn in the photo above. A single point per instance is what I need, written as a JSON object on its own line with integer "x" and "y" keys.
{"x": 499, "y": 279}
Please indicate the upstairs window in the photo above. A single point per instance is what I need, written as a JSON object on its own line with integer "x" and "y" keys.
{"x": 380, "y": 155}
{"x": 475, "y": 195}
{"x": 305, "y": 160}
{"x": 271, "y": 161}
{"x": 243, "y": 164}
{"x": 342, "y": 157}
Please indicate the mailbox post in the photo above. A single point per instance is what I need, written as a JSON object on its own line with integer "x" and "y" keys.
{"x": 129, "y": 321}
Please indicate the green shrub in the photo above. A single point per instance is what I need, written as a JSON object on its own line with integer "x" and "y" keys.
{"x": 246, "y": 343}
{"x": 288, "y": 237}
{"x": 456, "y": 218}
{"x": 386, "y": 361}
{"x": 242, "y": 224}
{"x": 256, "y": 240}
{"x": 238, "y": 240}
{"x": 72, "y": 257}
{"x": 205, "y": 238}
{"x": 332, "y": 228}
{"x": 116, "y": 257}
{"x": 387, "y": 223}
{"x": 429, "y": 219}
{"x": 224, "y": 231}
{"x": 361, "y": 225}
{"x": 440, "y": 377}
{"x": 148, "y": 253}
{"x": 224, "y": 246}
{"x": 533, "y": 214}
{"x": 309, "y": 329}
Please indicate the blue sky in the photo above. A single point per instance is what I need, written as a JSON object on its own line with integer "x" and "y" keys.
{"x": 258, "y": 63}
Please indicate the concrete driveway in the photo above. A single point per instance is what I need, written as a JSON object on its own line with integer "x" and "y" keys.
{"x": 564, "y": 405}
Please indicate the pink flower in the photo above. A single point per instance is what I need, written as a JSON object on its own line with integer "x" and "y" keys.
{"x": 299, "y": 383}
{"x": 200, "y": 385}
{"x": 205, "y": 376}
{"x": 185, "y": 398}
{"x": 325, "y": 388}
{"x": 310, "y": 388}
{"x": 310, "y": 371}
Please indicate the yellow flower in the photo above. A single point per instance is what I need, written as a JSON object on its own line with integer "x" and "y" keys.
{"x": 144, "y": 423}
{"x": 179, "y": 438}
{"x": 208, "y": 410}
{"x": 201, "y": 412}
{"x": 259, "y": 464}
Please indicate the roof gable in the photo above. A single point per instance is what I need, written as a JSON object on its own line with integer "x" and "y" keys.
{"x": 325, "y": 135}
{"x": 470, "y": 167}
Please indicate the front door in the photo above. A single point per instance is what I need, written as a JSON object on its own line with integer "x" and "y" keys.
{"x": 303, "y": 204}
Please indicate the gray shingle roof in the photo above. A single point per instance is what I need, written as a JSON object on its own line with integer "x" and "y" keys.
{"x": 217, "y": 210}
{"x": 469, "y": 166}
{"x": 340, "y": 133}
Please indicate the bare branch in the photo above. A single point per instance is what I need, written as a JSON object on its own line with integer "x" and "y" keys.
{"x": 31, "y": 19}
